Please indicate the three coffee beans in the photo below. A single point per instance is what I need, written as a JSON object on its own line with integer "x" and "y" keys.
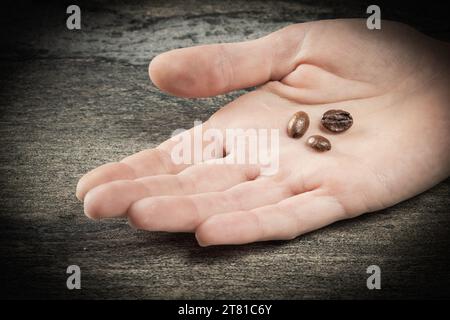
{"x": 335, "y": 121}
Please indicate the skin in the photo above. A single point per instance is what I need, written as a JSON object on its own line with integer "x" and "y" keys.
{"x": 394, "y": 82}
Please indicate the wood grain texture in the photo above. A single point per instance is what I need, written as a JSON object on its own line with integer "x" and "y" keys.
{"x": 70, "y": 101}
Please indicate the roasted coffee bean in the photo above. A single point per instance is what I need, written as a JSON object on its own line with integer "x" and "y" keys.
{"x": 298, "y": 125}
{"x": 337, "y": 120}
{"x": 319, "y": 143}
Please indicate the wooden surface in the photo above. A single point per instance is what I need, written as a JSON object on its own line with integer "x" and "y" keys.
{"x": 72, "y": 100}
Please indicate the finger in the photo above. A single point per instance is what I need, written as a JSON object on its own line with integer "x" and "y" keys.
{"x": 151, "y": 162}
{"x": 286, "y": 220}
{"x": 210, "y": 70}
{"x": 113, "y": 199}
{"x": 105, "y": 173}
{"x": 185, "y": 213}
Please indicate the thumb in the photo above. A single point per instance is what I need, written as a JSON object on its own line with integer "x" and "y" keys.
{"x": 209, "y": 70}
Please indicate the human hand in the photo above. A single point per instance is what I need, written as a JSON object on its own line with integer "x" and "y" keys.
{"x": 393, "y": 81}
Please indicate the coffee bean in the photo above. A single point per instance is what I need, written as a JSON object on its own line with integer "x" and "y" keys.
{"x": 337, "y": 120}
{"x": 319, "y": 143}
{"x": 298, "y": 125}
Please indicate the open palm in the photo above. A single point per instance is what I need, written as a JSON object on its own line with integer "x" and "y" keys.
{"x": 393, "y": 81}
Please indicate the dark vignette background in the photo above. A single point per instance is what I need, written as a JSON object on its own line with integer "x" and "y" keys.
{"x": 72, "y": 100}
